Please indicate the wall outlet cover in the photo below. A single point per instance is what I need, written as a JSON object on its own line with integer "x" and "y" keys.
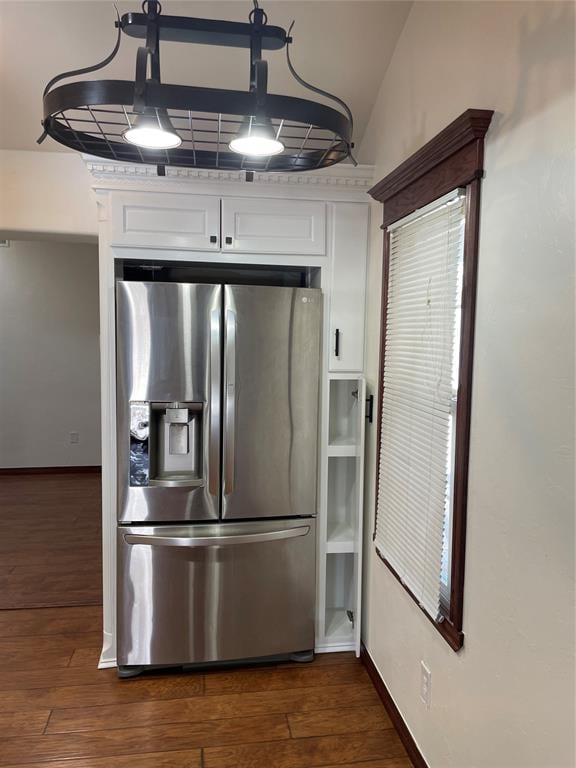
{"x": 425, "y": 685}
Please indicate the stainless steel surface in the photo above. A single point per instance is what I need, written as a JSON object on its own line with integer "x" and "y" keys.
{"x": 165, "y": 355}
{"x": 215, "y": 602}
{"x": 230, "y": 400}
{"x": 214, "y": 418}
{"x": 175, "y": 483}
{"x": 271, "y": 381}
{"x": 185, "y": 538}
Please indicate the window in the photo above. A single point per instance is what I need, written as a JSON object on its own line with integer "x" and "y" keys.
{"x": 419, "y": 396}
{"x": 431, "y": 209}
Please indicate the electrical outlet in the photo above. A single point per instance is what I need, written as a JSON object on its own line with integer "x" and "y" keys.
{"x": 74, "y": 437}
{"x": 425, "y": 684}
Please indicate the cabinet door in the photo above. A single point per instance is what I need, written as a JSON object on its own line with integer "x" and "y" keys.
{"x": 149, "y": 219}
{"x": 256, "y": 225}
{"x": 348, "y": 294}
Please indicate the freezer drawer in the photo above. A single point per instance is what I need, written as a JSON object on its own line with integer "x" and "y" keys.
{"x": 215, "y": 592}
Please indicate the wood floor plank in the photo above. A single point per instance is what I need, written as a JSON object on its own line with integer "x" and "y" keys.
{"x": 190, "y": 758}
{"x": 49, "y": 677}
{"x": 39, "y": 651}
{"x": 267, "y": 679}
{"x": 50, "y": 621}
{"x": 324, "y": 659}
{"x": 351, "y": 719}
{"x": 113, "y": 692}
{"x": 133, "y": 741}
{"x": 307, "y": 753}
{"x": 309, "y": 700}
{"x": 85, "y": 657}
{"x": 23, "y": 723}
{"x": 27, "y": 584}
{"x": 393, "y": 762}
{"x": 50, "y": 540}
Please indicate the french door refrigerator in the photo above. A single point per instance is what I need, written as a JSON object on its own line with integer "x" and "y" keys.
{"x": 217, "y": 424}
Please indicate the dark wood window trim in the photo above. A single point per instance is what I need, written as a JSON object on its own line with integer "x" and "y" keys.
{"x": 454, "y": 158}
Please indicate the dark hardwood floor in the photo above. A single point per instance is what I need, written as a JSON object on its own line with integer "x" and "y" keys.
{"x": 50, "y": 540}
{"x": 57, "y": 710}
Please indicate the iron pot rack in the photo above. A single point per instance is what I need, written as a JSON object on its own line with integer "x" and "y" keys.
{"x": 90, "y": 116}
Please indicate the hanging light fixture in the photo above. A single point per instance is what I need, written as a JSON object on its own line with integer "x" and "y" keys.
{"x": 152, "y": 130}
{"x": 256, "y": 138}
{"x": 147, "y": 121}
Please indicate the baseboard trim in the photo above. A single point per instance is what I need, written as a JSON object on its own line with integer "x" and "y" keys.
{"x": 393, "y": 712}
{"x": 50, "y": 470}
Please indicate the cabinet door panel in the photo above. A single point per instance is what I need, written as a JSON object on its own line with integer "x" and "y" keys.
{"x": 257, "y": 225}
{"x": 147, "y": 219}
{"x": 348, "y": 294}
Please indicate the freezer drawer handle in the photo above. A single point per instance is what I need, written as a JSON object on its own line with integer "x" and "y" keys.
{"x": 204, "y": 541}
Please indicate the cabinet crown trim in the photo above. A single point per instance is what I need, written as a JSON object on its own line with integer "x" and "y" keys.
{"x": 358, "y": 178}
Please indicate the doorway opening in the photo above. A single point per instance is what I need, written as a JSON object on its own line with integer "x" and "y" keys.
{"x": 50, "y": 495}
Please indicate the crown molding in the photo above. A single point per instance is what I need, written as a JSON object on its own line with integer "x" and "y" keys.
{"x": 113, "y": 175}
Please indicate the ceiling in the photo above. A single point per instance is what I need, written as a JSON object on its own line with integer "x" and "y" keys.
{"x": 342, "y": 46}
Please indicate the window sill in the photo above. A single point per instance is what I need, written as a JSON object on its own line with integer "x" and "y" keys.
{"x": 452, "y": 634}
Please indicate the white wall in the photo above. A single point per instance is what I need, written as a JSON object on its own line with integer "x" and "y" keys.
{"x": 46, "y": 194}
{"x": 49, "y": 357}
{"x": 506, "y": 700}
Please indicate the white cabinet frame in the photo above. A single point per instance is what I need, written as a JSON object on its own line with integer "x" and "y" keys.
{"x": 256, "y": 225}
{"x": 115, "y": 188}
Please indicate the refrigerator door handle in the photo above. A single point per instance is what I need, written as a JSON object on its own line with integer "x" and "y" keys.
{"x": 207, "y": 541}
{"x": 214, "y": 429}
{"x": 230, "y": 400}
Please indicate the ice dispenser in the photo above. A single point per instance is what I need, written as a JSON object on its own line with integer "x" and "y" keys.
{"x": 165, "y": 447}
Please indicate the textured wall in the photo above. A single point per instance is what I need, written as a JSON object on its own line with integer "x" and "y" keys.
{"x": 49, "y": 358}
{"x": 506, "y": 700}
{"x": 46, "y": 193}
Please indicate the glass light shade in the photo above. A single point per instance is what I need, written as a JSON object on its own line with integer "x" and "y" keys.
{"x": 256, "y": 138}
{"x": 152, "y": 130}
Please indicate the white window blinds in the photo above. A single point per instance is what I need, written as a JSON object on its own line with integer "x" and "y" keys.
{"x": 420, "y": 381}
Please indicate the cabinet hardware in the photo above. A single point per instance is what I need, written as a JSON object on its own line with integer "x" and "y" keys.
{"x": 213, "y": 238}
{"x": 370, "y": 409}
{"x": 337, "y": 343}
{"x": 228, "y": 240}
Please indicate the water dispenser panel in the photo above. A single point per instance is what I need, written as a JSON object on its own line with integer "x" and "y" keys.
{"x": 165, "y": 444}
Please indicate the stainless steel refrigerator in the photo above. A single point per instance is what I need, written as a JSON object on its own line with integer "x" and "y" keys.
{"x": 217, "y": 424}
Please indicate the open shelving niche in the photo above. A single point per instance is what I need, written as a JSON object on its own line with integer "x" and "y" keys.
{"x": 340, "y": 551}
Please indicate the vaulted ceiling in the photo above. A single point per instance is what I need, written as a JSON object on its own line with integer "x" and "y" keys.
{"x": 341, "y": 46}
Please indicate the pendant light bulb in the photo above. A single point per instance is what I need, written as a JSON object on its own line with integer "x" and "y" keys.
{"x": 256, "y": 138}
{"x": 152, "y": 130}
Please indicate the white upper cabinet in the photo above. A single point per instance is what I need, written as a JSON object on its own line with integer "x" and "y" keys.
{"x": 260, "y": 225}
{"x": 348, "y": 290}
{"x": 164, "y": 220}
